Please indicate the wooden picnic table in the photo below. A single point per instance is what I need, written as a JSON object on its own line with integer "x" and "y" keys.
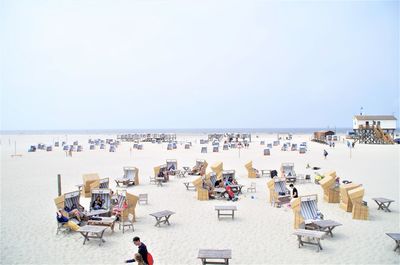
{"x": 92, "y": 231}
{"x": 396, "y": 238}
{"x": 316, "y": 236}
{"x": 105, "y": 221}
{"x": 220, "y": 193}
{"x": 326, "y": 225}
{"x": 223, "y": 208}
{"x": 186, "y": 170}
{"x": 162, "y": 217}
{"x": 188, "y": 186}
{"x": 215, "y": 254}
{"x": 383, "y": 203}
{"x": 159, "y": 181}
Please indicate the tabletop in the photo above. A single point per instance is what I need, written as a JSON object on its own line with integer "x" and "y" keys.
{"x": 225, "y": 207}
{"x": 215, "y": 254}
{"x": 162, "y": 213}
{"x": 383, "y": 200}
{"x": 92, "y": 229}
{"x": 395, "y": 236}
{"x": 326, "y": 223}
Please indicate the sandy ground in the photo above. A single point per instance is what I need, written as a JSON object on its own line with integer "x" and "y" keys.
{"x": 260, "y": 234}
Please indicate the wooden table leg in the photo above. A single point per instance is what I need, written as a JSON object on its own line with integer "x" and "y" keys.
{"x": 397, "y": 245}
{"x": 166, "y": 219}
{"x": 158, "y": 221}
{"x": 101, "y": 237}
{"x": 319, "y": 243}
{"x": 85, "y": 235}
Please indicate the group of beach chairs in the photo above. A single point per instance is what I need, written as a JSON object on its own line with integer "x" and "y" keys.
{"x": 106, "y": 206}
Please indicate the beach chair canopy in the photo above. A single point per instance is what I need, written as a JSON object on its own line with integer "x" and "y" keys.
{"x": 72, "y": 198}
{"x": 309, "y": 208}
{"x": 228, "y": 173}
{"x": 104, "y": 183}
{"x": 130, "y": 173}
{"x": 280, "y": 187}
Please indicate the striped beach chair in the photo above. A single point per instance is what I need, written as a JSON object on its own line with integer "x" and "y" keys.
{"x": 172, "y": 166}
{"x": 130, "y": 177}
{"x": 105, "y": 195}
{"x": 305, "y": 211}
{"x": 100, "y": 184}
{"x": 73, "y": 198}
{"x": 309, "y": 209}
{"x": 279, "y": 193}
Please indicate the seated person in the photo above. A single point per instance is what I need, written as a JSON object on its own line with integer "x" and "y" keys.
{"x": 66, "y": 221}
{"x": 230, "y": 181}
{"x": 61, "y": 218}
{"x": 97, "y": 203}
{"x": 219, "y": 184}
{"x": 74, "y": 212}
{"x": 228, "y": 189}
{"x": 117, "y": 211}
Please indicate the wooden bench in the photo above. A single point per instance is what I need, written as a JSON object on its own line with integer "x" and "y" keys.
{"x": 208, "y": 255}
{"x": 231, "y": 208}
{"x": 396, "y": 238}
{"x": 383, "y": 203}
{"x": 92, "y": 231}
{"x": 105, "y": 221}
{"x": 313, "y": 235}
{"x": 162, "y": 217}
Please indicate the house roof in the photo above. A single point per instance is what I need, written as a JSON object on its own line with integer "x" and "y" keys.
{"x": 375, "y": 117}
{"x": 325, "y": 132}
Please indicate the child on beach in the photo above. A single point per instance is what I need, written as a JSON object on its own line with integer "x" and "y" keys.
{"x": 325, "y": 153}
{"x": 97, "y": 204}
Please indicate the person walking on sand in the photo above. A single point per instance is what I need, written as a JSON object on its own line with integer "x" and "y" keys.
{"x": 325, "y": 153}
{"x": 142, "y": 251}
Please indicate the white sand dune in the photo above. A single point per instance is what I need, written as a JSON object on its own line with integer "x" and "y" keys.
{"x": 260, "y": 234}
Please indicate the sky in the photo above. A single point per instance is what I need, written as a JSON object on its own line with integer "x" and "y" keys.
{"x": 82, "y": 64}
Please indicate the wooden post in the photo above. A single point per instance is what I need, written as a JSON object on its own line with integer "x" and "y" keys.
{"x": 59, "y": 184}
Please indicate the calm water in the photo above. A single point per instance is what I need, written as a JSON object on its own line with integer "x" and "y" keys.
{"x": 187, "y": 131}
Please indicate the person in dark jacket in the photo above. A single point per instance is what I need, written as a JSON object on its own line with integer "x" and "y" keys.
{"x": 142, "y": 250}
{"x": 294, "y": 191}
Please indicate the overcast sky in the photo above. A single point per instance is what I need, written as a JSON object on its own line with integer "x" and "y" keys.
{"x": 196, "y": 64}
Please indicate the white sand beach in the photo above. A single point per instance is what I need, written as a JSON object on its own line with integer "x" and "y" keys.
{"x": 259, "y": 234}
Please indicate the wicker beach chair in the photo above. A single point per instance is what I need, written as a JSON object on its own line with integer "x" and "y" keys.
{"x": 130, "y": 177}
{"x": 105, "y": 195}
